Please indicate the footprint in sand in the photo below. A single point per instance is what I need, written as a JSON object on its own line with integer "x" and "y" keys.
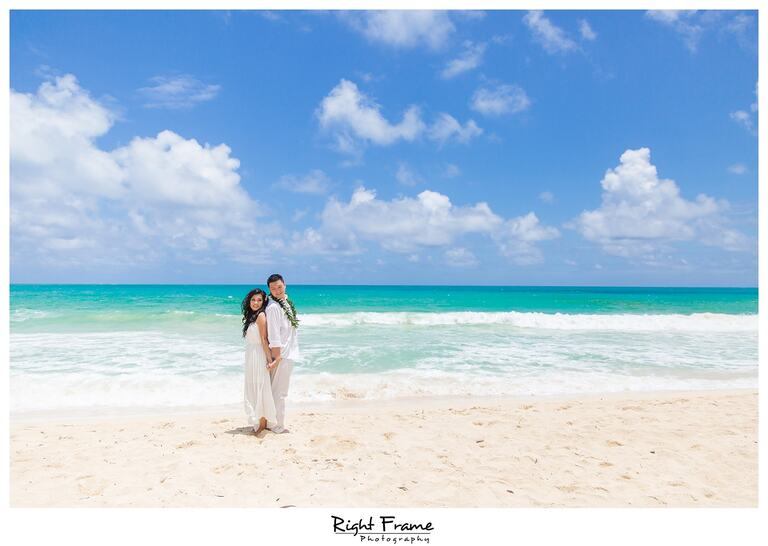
{"x": 187, "y": 444}
{"x": 346, "y": 445}
{"x": 614, "y": 443}
{"x": 166, "y": 425}
{"x": 91, "y": 486}
{"x": 337, "y": 443}
{"x": 388, "y": 435}
{"x": 606, "y": 463}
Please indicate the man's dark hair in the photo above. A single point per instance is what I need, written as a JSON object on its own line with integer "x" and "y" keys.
{"x": 275, "y": 277}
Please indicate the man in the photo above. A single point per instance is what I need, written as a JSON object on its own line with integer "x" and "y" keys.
{"x": 283, "y": 344}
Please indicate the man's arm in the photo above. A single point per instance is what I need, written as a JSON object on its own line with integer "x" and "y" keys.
{"x": 273, "y": 330}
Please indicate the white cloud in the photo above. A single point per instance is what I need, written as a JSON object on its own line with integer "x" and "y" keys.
{"x": 270, "y": 15}
{"x": 352, "y": 116}
{"x": 171, "y": 169}
{"x": 406, "y": 176}
{"x": 691, "y": 25}
{"x": 586, "y": 31}
{"x": 744, "y": 118}
{"x": 737, "y": 168}
{"x": 468, "y": 60}
{"x": 314, "y": 182}
{"x": 354, "y": 119}
{"x": 546, "y": 196}
{"x": 176, "y": 92}
{"x": 753, "y": 106}
{"x": 551, "y": 37}
{"x": 52, "y": 142}
{"x": 475, "y": 15}
{"x": 407, "y": 224}
{"x": 642, "y": 214}
{"x": 517, "y": 238}
{"x": 451, "y": 171}
{"x": 460, "y": 257}
{"x": 503, "y": 99}
{"x": 446, "y": 128}
{"x": 128, "y": 206}
{"x": 402, "y": 28}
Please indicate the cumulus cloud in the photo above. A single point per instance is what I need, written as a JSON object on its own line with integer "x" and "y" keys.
{"x": 691, "y": 25}
{"x": 408, "y": 224}
{"x": 53, "y": 132}
{"x": 547, "y": 196}
{"x": 460, "y": 257}
{"x": 351, "y": 115}
{"x": 177, "y": 92}
{"x": 469, "y": 59}
{"x": 451, "y": 171}
{"x": 737, "y": 168}
{"x": 641, "y": 214}
{"x": 517, "y": 238}
{"x": 683, "y": 22}
{"x": 551, "y": 37}
{"x": 406, "y": 176}
{"x": 586, "y": 31}
{"x": 353, "y": 120}
{"x": 446, "y": 128}
{"x": 127, "y": 206}
{"x": 402, "y": 29}
{"x": 314, "y": 182}
{"x": 499, "y": 100}
{"x": 404, "y": 224}
{"x": 746, "y": 119}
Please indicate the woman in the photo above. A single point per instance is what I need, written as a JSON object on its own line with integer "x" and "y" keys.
{"x": 259, "y": 404}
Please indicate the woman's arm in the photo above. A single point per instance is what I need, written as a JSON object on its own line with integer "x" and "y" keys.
{"x": 261, "y": 322}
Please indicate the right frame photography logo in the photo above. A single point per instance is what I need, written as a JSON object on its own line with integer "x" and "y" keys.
{"x": 383, "y": 529}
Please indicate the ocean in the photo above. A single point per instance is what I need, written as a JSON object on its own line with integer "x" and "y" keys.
{"x": 151, "y": 346}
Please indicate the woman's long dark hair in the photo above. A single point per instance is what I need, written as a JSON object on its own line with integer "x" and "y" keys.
{"x": 250, "y": 315}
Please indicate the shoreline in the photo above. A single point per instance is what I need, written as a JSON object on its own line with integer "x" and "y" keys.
{"x": 69, "y": 415}
{"x": 682, "y": 448}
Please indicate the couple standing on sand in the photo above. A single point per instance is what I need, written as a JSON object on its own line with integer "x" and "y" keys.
{"x": 272, "y": 345}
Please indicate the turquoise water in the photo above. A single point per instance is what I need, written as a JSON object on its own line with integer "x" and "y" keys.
{"x": 167, "y": 345}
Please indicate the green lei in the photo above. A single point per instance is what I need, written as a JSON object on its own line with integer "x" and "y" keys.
{"x": 290, "y": 311}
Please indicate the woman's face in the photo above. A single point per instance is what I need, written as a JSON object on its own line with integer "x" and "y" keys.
{"x": 256, "y": 302}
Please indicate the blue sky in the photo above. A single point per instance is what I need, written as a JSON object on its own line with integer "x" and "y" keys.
{"x": 507, "y": 147}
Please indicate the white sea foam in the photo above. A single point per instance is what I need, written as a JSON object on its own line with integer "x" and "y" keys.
{"x": 22, "y": 315}
{"x": 702, "y": 322}
{"x": 508, "y": 354}
{"x": 65, "y": 391}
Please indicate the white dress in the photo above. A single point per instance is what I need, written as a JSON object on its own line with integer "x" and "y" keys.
{"x": 258, "y": 390}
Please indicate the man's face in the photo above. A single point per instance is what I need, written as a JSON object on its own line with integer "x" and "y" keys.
{"x": 277, "y": 289}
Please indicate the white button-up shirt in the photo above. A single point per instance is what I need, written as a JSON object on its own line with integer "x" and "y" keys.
{"x": 280, "y": 333}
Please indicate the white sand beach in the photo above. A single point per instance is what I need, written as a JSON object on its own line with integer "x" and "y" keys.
{"x": 617, "y": 450}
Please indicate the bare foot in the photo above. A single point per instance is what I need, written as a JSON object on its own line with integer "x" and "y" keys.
{"x": 277, "y": 430}
{"x": 262, "y": 426}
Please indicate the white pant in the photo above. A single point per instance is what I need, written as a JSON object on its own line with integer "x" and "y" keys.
{"x": 281, "y": 377}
